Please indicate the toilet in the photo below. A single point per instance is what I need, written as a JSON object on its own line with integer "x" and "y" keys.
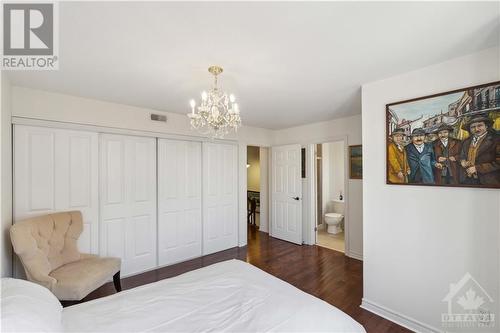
{"x": 333, "y": 221}
{"x": 335, "y": 216}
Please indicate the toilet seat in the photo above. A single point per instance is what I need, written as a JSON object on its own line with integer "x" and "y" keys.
{"x": 333, "y": 215}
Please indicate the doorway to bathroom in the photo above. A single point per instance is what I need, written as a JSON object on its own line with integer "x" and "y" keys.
{"x": 330, "y": 196}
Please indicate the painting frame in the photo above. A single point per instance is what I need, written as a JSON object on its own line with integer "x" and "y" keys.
{"x": 355, "y": 174}
{"x": 495, "y": 111}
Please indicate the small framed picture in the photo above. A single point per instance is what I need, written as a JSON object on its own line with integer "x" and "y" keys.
{"x": 355, "y": 162}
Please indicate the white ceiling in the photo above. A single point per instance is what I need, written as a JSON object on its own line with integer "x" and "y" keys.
{"x": 287, "y": 63}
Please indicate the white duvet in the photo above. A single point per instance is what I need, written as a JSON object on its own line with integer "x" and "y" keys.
{"x": 230, "y": 296}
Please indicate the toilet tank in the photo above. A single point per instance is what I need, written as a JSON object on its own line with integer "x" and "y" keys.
{"x": 338, "y": 206}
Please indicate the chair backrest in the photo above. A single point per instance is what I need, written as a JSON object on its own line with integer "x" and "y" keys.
{"x": 253, "y": 205}
{"x": 47, "y": 242}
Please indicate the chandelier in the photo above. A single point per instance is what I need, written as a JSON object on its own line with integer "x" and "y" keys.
{"x": 218, "y": 114}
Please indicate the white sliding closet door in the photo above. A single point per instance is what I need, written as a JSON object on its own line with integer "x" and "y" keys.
{"x": 56, "y": 170}
{"x": 179, "y": 201}
{"x": 220, "y": 197}
{"x": 128, "y": 201}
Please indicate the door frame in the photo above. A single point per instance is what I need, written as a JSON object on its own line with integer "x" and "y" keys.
{"x": 311, "y": 162}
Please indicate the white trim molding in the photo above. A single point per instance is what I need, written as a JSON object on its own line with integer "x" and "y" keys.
{"x": 311, "y": 193}
{"x": 242, "y": 202}
{"x": 397, "y": 317}
{"x": 354, "y": 255}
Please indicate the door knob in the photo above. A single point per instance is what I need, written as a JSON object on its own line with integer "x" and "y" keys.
{"x": 295, "y": 198}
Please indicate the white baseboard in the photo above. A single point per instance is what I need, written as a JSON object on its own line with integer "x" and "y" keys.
{"x": 354, "y": 255}
{"x": 398, "y": 318}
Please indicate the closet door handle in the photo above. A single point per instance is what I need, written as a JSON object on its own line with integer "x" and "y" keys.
{"x": 296, "y": 198}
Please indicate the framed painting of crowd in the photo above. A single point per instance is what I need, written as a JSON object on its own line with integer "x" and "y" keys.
{"x": 448, "y": 139}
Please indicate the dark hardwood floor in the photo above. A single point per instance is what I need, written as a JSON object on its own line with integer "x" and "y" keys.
{"x": 321, "y": 272}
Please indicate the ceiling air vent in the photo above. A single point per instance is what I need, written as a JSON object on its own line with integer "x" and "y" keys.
{"x": 158, "y": 117}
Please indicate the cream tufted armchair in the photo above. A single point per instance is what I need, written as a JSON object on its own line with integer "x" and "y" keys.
{"x": 47, "y": 247}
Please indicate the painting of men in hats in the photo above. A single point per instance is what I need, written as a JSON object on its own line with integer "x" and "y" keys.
{"x": 447, "y": 139}
{"x": 480, "y": 154}
{"x": 447, "y": 150}
{"x": 397, "y": 162}
{"x": 421, "y": 158}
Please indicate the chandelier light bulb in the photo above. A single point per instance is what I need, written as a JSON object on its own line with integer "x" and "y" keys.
{"x": 204, "y": 95}
{"x": 232, "y": 98}
{"x": 193, "y": 104}
{"x": 236, "y": 108}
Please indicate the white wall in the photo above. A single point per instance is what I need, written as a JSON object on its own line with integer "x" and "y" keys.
{"x": 349, "y": 129}
{"x": 418, "y": 240}
{"x": 6, "y": 177}
{"x": 333, "y": 173}
{"x": 337, "y": 169}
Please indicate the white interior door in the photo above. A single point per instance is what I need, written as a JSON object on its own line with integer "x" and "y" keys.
{"x": 57, "y": 170}
{"x": 179, "y": 201}
{"x": 220, "y": 197}
{"x": 128, "y": 201}
{"x": 286, "y": 194}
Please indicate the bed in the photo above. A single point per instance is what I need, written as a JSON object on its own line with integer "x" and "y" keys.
{"x": 231, "y": 296}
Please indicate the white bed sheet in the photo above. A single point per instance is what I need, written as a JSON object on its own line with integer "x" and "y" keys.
{"x": 231, "y": 296}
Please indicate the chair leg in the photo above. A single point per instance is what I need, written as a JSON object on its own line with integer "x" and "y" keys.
{"x": 117, "y": 282}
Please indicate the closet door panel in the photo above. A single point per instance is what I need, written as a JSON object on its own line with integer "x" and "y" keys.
{"x": 128, "y": 201}
{"x": 168, "y": 231}
{"x": 142, "y": 166}
{"x": 80, "y": 165}
{"x": 41, "y": 164}
{"x": 113, "y": 204}
{"x": 34, "y": 167}
{"x": 220, "y": 197}
{"x": 114, "y": 171}
{"x": 56, "y": 170}
{"x": 113, "y": 234}
{"x": 191, "y": 230}
{"x": 179, "y": 200}
{"x": 142, "y": 231}
{"x": 77, "y": 182}
{"x": 141, "y": 236}
{"x": 229, "y": 193}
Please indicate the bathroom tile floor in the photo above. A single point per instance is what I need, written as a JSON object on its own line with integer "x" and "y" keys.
{"x": 331, "y": 241}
